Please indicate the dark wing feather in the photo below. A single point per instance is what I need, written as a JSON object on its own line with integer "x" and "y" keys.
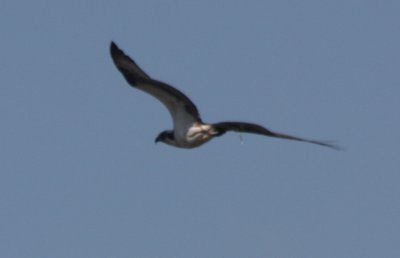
{"x": 181, "y": 108}
{"x": 126, "y": 62}
{"x": 223, "y": 127}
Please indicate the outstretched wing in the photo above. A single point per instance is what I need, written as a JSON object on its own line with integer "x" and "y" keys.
{"x": 183, "y": 112}
{"x": 223, "y": 127}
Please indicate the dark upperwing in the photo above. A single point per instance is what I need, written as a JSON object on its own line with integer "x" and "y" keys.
{"x": 223, "y": 127}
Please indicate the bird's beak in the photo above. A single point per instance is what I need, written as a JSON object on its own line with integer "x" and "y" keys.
{"x": 157, "y": 139}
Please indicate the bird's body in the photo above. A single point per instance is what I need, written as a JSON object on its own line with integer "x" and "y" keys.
{"x": 189, "y": 130}
{"x": 194, "y": 136}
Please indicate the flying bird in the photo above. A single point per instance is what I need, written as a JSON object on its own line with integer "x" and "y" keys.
{"x": 189, "y": 131}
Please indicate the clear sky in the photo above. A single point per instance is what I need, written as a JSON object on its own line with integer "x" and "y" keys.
{"x": 80, "y": 175}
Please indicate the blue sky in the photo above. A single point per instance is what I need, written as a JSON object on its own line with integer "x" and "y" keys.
{"x": 80, "y": 175}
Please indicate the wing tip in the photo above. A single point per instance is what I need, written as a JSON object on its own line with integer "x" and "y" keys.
{"x": 335, "y": 147}
{"x": 114, "y": 48}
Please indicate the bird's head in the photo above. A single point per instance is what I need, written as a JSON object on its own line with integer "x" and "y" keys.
{"x": 166, "y": 137}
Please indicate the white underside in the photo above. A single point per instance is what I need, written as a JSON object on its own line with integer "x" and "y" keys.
{"x": 193, "y": 136}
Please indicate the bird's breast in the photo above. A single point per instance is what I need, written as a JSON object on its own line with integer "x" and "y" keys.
{"x": 193, "y": 136}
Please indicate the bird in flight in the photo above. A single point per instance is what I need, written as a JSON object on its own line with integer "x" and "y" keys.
{"x": 189, "y": 131}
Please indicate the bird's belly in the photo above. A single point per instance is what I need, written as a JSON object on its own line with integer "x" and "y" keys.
{"x": 193, "y": 137}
